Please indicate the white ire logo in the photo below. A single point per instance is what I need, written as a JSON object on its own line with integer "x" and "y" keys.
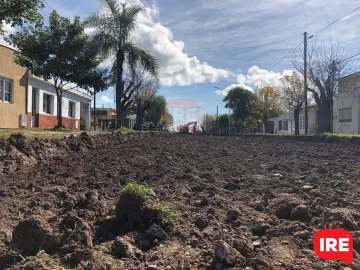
{"x": 330, "y": 244}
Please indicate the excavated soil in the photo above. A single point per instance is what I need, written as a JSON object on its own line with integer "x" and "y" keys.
{"x": 243, "y": 203}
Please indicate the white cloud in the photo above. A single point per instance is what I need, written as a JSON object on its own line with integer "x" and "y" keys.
{"x": 106, "y": 99}
{"x": 8, "y": 28}
{"x": 261, "y": 77}
{"x": 176, "y": 66}
{"x": 227, "y": 89}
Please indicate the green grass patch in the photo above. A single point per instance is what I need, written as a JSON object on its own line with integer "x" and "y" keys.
{"x": 31, "y": 134}
{"x": 57, "y": 128}
{"x": 124, "y": 129}
{"x": 339, "y": 135}
{"x": 168, "y": 214}
{"x": 139, "y": 190}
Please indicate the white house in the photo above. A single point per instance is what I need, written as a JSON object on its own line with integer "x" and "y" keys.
{"x": 285, "y": 123}
{"x": 346, "y": 110}
{"x": 42, "y": 106}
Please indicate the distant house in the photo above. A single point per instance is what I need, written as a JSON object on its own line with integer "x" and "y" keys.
{"x": 105, "y": 117}
{"x": 13, "y": 87}
{"x": 346, "y": 110}
{"x": 130, "y": 121}
{"x": 285, "y": 123}
{"x": 28, "y": 101}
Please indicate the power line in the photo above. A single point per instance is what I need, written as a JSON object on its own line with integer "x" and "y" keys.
{"x": 251, "y": 41}
{"x": 337, "y": 20}
{"x": 315, "y": 34}
{"x": 213, "y": 49}
{"x": 350, "y": 57}
{"x": 47, "y": 4}
{"x": 280, "y": 60}
{"x": 235, "y": 55}
{"x": 43, "y": 12}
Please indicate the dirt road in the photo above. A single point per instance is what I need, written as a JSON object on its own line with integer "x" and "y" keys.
{"x": 260, "y": 199}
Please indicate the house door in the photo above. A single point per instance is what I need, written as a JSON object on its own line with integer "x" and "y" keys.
{"x": 33, "y": 109}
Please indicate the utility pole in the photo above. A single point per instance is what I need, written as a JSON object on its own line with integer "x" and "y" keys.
{"x": 333, "y": 70}
{"x": 229, "y": 115}
{"x": 305, "y": 85}
{"x": 94, "y": 110}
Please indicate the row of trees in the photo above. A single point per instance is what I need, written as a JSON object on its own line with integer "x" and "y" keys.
{"x": 64, "y": 55}
{"x": 251, "y": 109}
{"x": 326, "y": 64}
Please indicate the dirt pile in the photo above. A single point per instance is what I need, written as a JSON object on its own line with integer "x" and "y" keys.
{"x": 233, "y": 203}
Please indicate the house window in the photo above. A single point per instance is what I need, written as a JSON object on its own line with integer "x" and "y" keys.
{"x": 285, "y": 125}
{"x": 345, "y": 115}
{"x": 6, "y": 90}
{"x": 72, "y": 109}
{"x": 280, "y": 125}
{"x": 48, "y": 106}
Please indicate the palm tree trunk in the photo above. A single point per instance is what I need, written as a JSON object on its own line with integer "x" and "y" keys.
{"x": 119, "y": 89}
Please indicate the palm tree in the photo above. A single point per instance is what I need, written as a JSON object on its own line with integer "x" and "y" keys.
{"x": 113, "y": 28}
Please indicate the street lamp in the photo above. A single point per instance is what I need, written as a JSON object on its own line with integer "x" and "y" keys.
{"x": 229, "y": 103}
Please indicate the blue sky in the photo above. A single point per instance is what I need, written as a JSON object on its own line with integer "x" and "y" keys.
{"x": 202, "y": 43}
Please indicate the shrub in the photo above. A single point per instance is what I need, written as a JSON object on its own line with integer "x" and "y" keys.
{"x": 167, "y": 214}
{"x": 139, "y": 191}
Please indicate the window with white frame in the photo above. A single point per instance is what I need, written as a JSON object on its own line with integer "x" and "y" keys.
{"x": 72, "y": 106}
{"x": 345, "y": 115}
{"x": 6, "y": 90}
{"x": 302, "y": 122}
{"x": 48, "y": 104}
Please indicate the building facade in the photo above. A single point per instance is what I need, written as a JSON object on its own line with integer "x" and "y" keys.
{"x": 28, "y": 101}
{"x": 105, "y": 118}
{"x": 13, "y": 85}
{"x": 42, "y": 106}
{"x": 346, "y": 110}
{"x": 285, "y": 123}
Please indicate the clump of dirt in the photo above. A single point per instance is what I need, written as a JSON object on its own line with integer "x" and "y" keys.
{"x": 136, "y": 206}
{"x": 32, "y": 235}
{"x": 41, "y": 261}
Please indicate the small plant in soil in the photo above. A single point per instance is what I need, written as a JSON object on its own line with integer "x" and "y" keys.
{"x": 167, "y": 214}
{"x": 139, "y": 191}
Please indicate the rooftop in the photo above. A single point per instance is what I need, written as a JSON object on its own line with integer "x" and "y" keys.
{"x": 68, "y": 88}
{"x": 5, "y": 44}
{"x": 351, "y": 75}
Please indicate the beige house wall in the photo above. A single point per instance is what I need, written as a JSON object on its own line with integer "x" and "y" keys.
{"x": 10, "y": 112}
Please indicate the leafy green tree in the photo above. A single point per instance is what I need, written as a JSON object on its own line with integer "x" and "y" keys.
{"x": 61, "y": 54}
{"x": 292, "y": 96}
{"x": 223, "y": 121}
{"x": 209, "y": 122}
{"x": 269, "y": 104}
{"x": 250, "y": 123}
{"x": 144, "y": 97}
{"x": 20, "y": 12}
{"x": 113, "y": 28}
{"x": 242, "y": 102}
{"x": 155, "y": 113}
{"x": 167, "y": 120}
